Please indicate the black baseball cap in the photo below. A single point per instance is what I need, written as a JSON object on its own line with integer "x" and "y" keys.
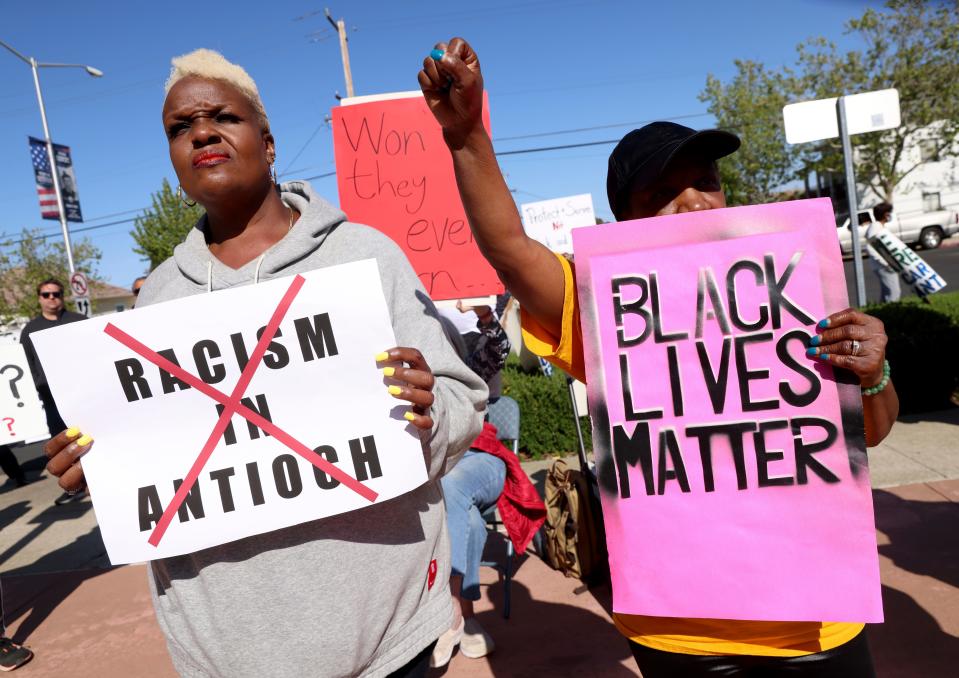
{"x": 642, "y": 155}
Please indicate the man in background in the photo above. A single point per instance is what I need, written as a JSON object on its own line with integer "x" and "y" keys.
{"x": 52, "y": 314}
{"x": 888, "y": 276}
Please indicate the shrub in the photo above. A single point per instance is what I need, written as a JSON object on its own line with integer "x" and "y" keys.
{"x": 922, "y": 350}
{"x": 546, "y": 415}
{"x": 946, "y": 303}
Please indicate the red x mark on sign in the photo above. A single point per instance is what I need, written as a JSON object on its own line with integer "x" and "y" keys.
{"x": 232, "y": 405}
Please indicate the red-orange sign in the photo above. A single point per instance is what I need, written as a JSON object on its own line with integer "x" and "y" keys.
{"x": 394, "y": 173}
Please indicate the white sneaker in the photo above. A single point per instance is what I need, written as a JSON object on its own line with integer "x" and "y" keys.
{"x": 445, "y": 645}
{"x": 476, "y": 642}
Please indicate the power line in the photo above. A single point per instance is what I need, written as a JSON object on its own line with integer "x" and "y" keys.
{"x": 114, "y": 214}
{"x": 596, "y": 127}
{"x": 303, "y": 148}
{"x": 319, "y": 176}
{"x": 104, "y": 216}
{"x": 558, "y": 148}
{"x": 499, "y": 10}
{"x": 44, "y": 236}
{"x": 539, "y": 149}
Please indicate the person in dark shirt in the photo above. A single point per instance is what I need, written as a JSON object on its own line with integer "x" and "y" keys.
{"x": 52, "y": 314}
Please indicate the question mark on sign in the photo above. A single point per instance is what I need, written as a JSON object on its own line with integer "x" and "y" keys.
{"x": 9, "y": 422}
{"x": 13, "y": 382}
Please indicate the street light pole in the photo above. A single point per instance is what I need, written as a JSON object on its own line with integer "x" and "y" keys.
{"x": 53, "y": 167}
{"x": 35, "y": 66}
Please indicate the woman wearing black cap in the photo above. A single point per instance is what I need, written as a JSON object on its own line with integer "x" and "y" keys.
{"x": 658, "y": 170}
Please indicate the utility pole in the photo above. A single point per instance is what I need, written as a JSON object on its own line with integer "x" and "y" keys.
{"x": 340, "y": 27}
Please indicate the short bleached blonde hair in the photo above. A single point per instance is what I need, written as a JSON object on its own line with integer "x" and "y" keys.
{"x": 206, "y": 63}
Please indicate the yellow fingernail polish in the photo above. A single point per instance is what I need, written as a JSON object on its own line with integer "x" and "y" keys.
{"x": 408, "y": 416}
{"x": 73, "y": 432}
{"x": 389, "y": 371}
{"x": 394, "y": 390}
{"x": 380, "y": 357}
{"x": 84, "y": 440}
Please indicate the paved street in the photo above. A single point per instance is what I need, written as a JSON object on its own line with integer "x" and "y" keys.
{"x": 65, "y": 601}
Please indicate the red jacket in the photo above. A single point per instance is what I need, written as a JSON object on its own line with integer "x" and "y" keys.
{"x": 520, "y": 506}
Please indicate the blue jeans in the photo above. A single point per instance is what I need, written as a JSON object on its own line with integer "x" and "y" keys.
{"x": 472, "y": 487}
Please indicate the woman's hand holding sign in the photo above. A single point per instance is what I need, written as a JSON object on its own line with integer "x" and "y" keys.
{"x": 64, "y": 452}
{"x": 853, "y": 341}
{"x": 414, "y": 383}
{"x": 856, "y": 341}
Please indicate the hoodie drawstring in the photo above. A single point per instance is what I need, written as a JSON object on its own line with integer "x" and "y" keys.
{"x": 209, "y": 272}
{"x": 256, "y": 271}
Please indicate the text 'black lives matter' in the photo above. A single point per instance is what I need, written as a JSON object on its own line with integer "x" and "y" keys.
{"x": 662, "y": 454}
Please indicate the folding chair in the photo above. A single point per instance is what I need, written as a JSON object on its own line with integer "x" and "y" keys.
{"x": 503, "y": 413}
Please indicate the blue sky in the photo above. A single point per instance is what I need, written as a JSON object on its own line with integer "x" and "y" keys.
{"x": 549, "y": 66}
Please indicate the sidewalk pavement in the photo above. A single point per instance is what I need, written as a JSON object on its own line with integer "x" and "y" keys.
{"x": 80, "y": 615}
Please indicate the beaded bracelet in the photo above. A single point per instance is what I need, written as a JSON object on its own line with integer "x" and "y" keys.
{"x": 873, "y": 390}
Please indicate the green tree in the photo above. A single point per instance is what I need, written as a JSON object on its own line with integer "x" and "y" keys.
{"x": 911, "y": 45}
{"x": 163, "y": 226}
{"x": 26, "y": 262}
{"x": 751, "y": 106}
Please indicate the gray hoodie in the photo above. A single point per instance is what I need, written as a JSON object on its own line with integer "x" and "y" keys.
{"x": 348, "y": 595}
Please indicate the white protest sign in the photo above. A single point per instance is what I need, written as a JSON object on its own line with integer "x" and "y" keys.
{"x": 887, "y": 249}
{"x": 313, "y": 392}
{"x": 21, "y": 412}
{"x": 550, "y": 221}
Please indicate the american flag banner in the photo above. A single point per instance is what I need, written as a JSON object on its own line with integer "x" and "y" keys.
{"x": 68, "y": 182}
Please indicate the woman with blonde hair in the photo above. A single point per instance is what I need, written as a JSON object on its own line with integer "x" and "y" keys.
{"x": 361, "y": 593}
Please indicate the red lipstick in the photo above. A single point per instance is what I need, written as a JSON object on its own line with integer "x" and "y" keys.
{"x": 210, "y": 158}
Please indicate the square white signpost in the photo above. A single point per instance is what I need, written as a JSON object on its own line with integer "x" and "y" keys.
{"x": 843, "y": 117}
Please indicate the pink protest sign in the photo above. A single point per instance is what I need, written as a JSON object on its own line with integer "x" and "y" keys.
{"x": 732, "y": 467}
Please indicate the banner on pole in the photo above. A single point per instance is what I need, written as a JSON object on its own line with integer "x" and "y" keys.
{"x": 44, "y": 181}
{"x": 732, "y": 467}
{"x": 21, "y": 411}
{"x": 394, "y": 173}
{"x": 210, "y": 431}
